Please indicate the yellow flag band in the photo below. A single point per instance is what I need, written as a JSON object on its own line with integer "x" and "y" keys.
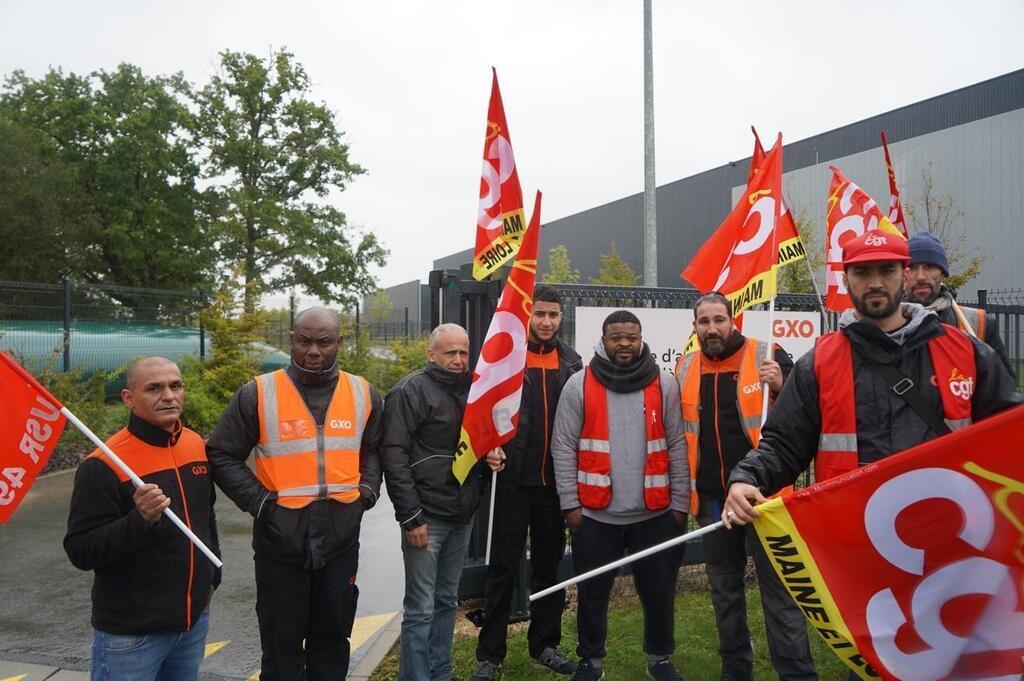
{"x": 791, "y": 250}
{"x": 465, "y": 458}
{"x": 796, "y": 568}
{"x": 760, "y": 289}
{"x": 503, "y": 248}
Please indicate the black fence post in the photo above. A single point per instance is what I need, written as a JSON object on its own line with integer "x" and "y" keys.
{"x": 67, "y": 324}
{"x": 407, "y": 325}
{"x": 357, "y": 328}
{"x": 202, "y": 339}
{"x": 291, "y": 311}
{"x": 982, "y": 298}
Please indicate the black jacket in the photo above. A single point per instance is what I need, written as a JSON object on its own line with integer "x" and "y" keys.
{"x": 316, "y": 533}
{"x": 143, "y": 572}
{"x": 886, "y": 424}
{"x": 527, "y": 455}
{"x": 723, "y": 441}
{"x": 992, "y": 337}
{"x": 422, "y": 424}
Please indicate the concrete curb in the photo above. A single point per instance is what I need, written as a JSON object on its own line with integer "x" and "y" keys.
{"x": 378, "y": 650}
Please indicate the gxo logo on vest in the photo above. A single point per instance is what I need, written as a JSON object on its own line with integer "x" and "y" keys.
{"x": 340, "y": 424}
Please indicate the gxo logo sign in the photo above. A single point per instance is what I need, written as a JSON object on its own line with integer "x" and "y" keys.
{"x": 751, "y": 389}
{"x": 338, "y": 424}
{"x": 792, "y": 328}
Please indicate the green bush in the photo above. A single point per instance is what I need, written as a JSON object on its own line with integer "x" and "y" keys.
{"x": 84, "y": 396}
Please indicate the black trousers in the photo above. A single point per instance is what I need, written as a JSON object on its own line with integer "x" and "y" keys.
{"x": 725, "y": 556}
{"x": 596, "y": 544}
{"x": 295, "y": 604}
{"x": 532, "y": 510}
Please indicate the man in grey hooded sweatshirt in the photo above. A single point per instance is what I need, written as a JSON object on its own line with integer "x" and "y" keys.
{"x": 623, "y": 485}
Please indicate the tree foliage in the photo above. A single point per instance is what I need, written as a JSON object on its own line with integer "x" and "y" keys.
{"x": 274, "y": 155}
{"x": 940, "y": 216}
{"x": 614, "y": 271}
{"x": 135, "y": 217}
{"x": 560, "y": 270}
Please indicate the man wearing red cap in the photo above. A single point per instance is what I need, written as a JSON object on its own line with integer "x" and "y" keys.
{"x": 892, "y": 377}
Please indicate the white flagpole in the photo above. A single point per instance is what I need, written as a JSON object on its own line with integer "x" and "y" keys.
{"x": 490, "y": 518}
{"x": 137, "y": 481}
{"x": 626, "y": 560}
{"x": 769, "y": 355}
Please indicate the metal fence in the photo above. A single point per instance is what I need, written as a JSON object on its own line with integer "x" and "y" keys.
{"x": 93, "y": 326}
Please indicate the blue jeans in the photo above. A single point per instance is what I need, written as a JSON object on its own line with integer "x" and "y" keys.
{"x": 149, "y": 657}
{"x": 431, "y": 593}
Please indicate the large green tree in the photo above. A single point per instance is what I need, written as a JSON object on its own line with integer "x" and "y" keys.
{"x": 614, "y": 271}
{"x": 40, "y": 215}
{"x": 274, "y": 155}
{"x": 560, "y": 269}
{"x": 127, "y": 139}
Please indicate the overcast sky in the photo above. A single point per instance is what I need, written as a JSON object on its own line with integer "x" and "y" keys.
{"x": 409, "y": 82}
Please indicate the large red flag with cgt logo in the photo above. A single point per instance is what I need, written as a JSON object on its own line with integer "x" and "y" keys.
{"x": 912, "y": 567}
{"x": 492, "y": 410}
{"x": 500, "y": 222}
{"x": 851, "y": 212}
{"x": 739, "y": 259}
{"x": 791, "y": 247}
{"x": 30, "y": 425}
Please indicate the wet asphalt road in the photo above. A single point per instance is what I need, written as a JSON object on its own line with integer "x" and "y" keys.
{"x": 45, "y": 606}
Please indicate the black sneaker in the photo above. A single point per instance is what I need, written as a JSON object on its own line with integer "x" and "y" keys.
{"x": 553, "y": 659}
{"x": 485, "y": 671}
{"x": 587, "y": 672}
{"x": 663, "y": 671}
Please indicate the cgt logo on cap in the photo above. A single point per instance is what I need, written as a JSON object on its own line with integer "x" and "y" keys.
{"x": 876, "y": 240}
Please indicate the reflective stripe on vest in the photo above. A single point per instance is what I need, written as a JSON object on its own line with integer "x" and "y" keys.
{"x": 299, "y": 460}
{"x": 688, "y": 374}
{"x": 594, "y": 465}
{"x": 955, "y": 374}
{"x": 976, "y": 318}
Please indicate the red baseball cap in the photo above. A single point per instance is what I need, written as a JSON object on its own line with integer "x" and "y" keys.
{"x": 875, "y": 246}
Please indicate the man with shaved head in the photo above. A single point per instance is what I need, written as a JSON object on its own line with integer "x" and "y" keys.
{"x": 422, "y": 423}
{"x": 313, "y": 431}
{"x": 151, "y": 588}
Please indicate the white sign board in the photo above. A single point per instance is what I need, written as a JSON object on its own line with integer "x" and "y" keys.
{"x": 667, "y": 330}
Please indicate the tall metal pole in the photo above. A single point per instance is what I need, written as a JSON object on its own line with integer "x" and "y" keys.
{"x": 650, "y": 200}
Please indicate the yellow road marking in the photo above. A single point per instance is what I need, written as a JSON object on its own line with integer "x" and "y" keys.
{"x": 211, "y": 648}
{"x": 15, "y": 678}
{"x": 365, "y": 627}
{"x": 254, "y": 677}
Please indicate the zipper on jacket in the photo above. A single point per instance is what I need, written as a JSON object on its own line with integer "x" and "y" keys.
{"x": 191, "y": 546}
{"x": 544, "y": 452}
{"x": 718, "y": 436}
{"x": 321, "y": 462}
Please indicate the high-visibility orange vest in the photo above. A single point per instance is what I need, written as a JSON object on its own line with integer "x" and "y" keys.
{"x": 594, "y": 460}
{"x": 976, "y": 318}
{"x": 955, "y": 377}
{"x": 749, "y": 399}
{"x": 300, "y": 460}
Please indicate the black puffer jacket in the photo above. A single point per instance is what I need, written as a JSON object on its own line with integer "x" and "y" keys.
{"x": 886, "y": 424}
{"x": 530, "y": 428}
{"x": 422, "y": 423}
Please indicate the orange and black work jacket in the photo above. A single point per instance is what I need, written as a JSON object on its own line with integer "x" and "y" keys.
{"x": 148, "y": 579}
{"x": 722, "y": 400}
{"x": 883, "y": 422}
{"x": 594, "y": 459}
{"x": 315, "y": 450}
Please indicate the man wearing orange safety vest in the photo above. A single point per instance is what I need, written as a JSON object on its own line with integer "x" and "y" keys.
{"x": 623, "y": 485}
{"x": 721, "y": 390}
{"x": 313, "y": 432}
{"x": 892, "y": 377}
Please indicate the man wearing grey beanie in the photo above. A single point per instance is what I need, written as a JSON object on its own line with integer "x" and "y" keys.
{"x": 925, "y": 283}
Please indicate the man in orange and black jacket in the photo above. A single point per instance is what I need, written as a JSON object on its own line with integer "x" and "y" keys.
{"x": 526, "y": 501}
{"x": 722, "y": 394}
{"x": 152, "y": 587}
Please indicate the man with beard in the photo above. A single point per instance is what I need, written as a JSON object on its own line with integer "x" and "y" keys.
{"x": 722, "y": 400}
{"x": 526, "y": 502}
{"x": 925, "y": 282}
{"x": 313, "y": 432}
{"x": 422, "y": 423}
{"x": 623, "y": 485}
{"x": 893, "y": 373}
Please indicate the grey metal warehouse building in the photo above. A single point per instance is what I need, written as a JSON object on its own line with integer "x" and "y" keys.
{"x": 970, "y": 142}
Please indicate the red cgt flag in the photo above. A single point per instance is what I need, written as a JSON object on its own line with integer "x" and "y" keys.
{"x": 30, "y": 425}
{"x": 791, "y": 248}
{"x": 500, "y": 221}
{"x": 851, "y": 212}
{"x": 740, "y": 258}
{"x": 912, "y": 567}
{"x": 492, "y": 410}
{"x": 895, "y": 207}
